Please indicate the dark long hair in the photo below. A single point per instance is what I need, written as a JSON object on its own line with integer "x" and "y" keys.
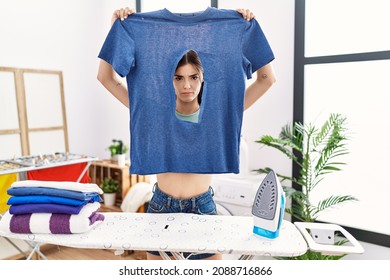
{"x": 191, "y": 57}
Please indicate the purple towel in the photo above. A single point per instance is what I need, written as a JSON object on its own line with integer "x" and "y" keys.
{"x": 60, "y": 223}
{"x": 20, "y": 223}
{"x": 44, "y": 208}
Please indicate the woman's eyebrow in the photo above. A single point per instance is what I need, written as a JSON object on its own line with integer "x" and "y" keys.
{"x": 192, "y": 75}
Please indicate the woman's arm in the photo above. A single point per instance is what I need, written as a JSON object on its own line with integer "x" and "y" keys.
{"x": 109, "y": 79}
{"x": 265, "y": 75}
{"x": 265, "y": 79}
{"x": 106, "y": 74}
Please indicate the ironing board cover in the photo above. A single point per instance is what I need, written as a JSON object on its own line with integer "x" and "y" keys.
{"x": 178, "y": 233}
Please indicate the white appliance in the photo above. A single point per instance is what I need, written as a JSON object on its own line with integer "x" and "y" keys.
{"x": 234, "y": 193}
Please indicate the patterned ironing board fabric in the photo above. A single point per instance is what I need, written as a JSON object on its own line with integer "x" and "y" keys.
{"x": 178, "y": 233}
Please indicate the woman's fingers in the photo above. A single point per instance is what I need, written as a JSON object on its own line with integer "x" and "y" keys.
{"x": 246, "y": 14}
{"x": 122, "y": 14}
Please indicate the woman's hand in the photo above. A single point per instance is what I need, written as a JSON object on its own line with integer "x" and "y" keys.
{"x": 246, "y": 14}
{"x": 122, "y": 14}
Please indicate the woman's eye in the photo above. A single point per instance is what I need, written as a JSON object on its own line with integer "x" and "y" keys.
{"x": 178, "y": 78}
{"x": 195, "y": 78}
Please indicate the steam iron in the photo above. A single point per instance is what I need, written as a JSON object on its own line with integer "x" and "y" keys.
{"x": 268, "y": 207}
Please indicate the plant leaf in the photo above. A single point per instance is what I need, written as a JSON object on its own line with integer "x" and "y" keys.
{"x": 331, "y": 202}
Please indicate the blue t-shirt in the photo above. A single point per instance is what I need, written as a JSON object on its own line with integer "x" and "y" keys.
{"x": 146, "y": 47}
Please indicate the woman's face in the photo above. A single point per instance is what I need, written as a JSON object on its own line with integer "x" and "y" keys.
{"x": 187, "y": 82}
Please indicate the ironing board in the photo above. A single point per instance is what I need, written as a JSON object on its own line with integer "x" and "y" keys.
{"x": 31, "y": 163}
{"x": 37, "y": 162}
{"x": 177, "y": 233}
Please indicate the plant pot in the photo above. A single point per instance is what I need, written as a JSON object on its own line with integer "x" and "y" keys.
{"x": 109, "y": 199}
{"x": 120, "y": 160}
{"x": 114, "y": 158}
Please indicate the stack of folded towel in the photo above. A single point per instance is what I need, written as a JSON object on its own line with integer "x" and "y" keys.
{"x": 52, "y": 207}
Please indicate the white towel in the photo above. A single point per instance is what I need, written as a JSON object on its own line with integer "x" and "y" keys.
{"x": 72, "y": 186}
{"x": 137, "y": 196}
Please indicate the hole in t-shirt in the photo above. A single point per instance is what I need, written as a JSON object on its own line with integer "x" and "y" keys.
{"x": 188, "y": 82}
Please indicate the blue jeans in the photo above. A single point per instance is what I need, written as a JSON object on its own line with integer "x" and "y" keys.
{"x": 163, "y": 203}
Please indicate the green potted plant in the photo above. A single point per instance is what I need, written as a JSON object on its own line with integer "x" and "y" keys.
{"x": 118, "y": 152}
{"x": 110, "y": 187}
{"x": 315, "y": 151}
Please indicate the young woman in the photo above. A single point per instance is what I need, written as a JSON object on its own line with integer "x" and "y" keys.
{"x": 184, "y": 192}
{"x": 188, "y": 84}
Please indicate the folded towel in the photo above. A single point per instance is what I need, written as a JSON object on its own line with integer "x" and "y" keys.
{"x": 53, "y": 223}
{"x": 45, "y": 208}
{"x": 53, "y": 192}
{"x": 33, "y": 199}
{"x": 137, "y": 196}
{"x": 72, "y": 186}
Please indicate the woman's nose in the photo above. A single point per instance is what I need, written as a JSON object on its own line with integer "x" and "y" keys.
{"x": 187, "y": 84}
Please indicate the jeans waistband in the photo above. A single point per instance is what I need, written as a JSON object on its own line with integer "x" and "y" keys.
{"x": 170, "y": 199}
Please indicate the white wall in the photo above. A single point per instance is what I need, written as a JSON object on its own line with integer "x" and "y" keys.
{"x": 274, "y": 109}
{"x": 67, "y": 36}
